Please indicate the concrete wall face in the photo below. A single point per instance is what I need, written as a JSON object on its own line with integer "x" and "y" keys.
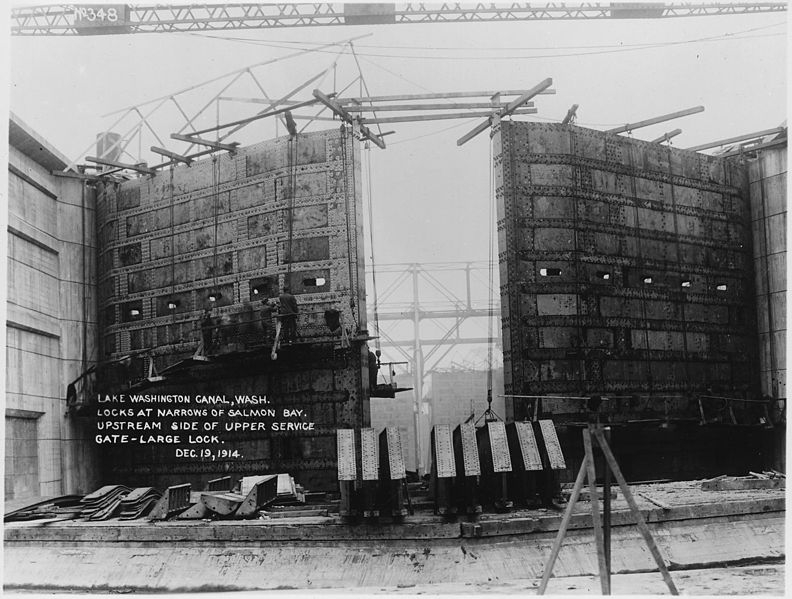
{"x": 627, "y": 265}
{"x": 51, "y": 330}
{"x": 768, "y": 177}
{"x": 282, "y": 212}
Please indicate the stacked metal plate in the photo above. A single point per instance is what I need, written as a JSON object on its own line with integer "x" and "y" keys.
{"x": 138, "y": 503}
{"x": 101, "y": 504}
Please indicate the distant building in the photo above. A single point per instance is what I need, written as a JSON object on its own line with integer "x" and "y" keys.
{"x": 50, "y": 321}
{"x": 456, "y": 395}
{"x": 398, "y": 412}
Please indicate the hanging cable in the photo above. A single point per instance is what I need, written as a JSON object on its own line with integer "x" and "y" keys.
{"x": 291, "y": 190}
{"x": 344, "y": 163}
{"x": 491, "y": 279}
{"x": 378, "y": 351}
{"x": 216, "y": 190}
{"x": 172, "y": 248}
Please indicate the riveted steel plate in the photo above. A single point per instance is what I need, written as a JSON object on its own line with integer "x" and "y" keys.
{"x": 632, "y": 226}
{"x": 218, "y": 229}
{"x": 501, "y": 459}
{"x": 395, "y": 454}
{"x": 444, "y": 451}
{"x": 470, "y": 454}
{"x": 552, "y": 445}
{"x": 528, "y": 446}
{"x": 347, "y": 464}
{"x": 369, "y": 454}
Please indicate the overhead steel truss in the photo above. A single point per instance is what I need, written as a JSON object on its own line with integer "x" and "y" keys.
{"x": 97, "y": 19}
{"x": 453, "y": 301}
{"x": 447, "y": 300}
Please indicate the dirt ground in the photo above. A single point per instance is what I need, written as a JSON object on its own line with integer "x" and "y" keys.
{"x": 766, "y": 579}
{"x": 743, "y": 580}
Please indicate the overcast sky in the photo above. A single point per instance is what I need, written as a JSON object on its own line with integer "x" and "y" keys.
{"x": 430, "y": 197}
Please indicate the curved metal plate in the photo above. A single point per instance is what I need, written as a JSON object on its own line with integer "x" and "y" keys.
{"x": 552, "y": 445}
{"x": 347, "y": 464}
{"x": 501, "y": 459}
{"x": 444, "y": 451}
{"x": 395, "y": 454}
{"x": 470, "y": 455}
{"x": 369, "y": 454}
{"x": 528, "y": 446}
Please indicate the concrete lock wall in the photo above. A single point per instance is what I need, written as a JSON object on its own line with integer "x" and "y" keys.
{"x": 627, "y": 269}
{"x": 768, "y": 178}
{"x": 242, "y": 225}
{"x": 50, "y": 321}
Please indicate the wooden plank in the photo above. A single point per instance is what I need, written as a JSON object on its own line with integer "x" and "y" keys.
{"x": 494, "y": 528}
{"x": 655, "y": 120}
{"x": 440, "y": 106}
{"x": 206, "y": 142}
{"x": 666, "y": 136}
{"x": 515, "y": 104}
{"x": 341, "y": 112}
{"x": 172, "y": 155}
{"x": 73, "y": 175}
{"x": 742, "y": 484}
{"x": 508, "y": 110}
{"x": 438, "y": 96}
{"x": 141, "y": 167}
{"x": 736, "y": 138}
{"x": 570, "y": 115}
{"x": 656, "y": 502}
{"x": 437, "y": 117}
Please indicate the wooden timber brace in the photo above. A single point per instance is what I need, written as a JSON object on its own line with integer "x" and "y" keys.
{"x": 587, "y": 471}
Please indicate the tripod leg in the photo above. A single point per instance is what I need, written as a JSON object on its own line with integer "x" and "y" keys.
{"x": 595, "y": 514}
{"x": 563, "y": 528}
{"x": 647, "y": 535}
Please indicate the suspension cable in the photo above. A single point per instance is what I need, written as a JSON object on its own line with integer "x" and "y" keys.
{"x": 491, "y": 276}
{"x": 292, "y": 191}
{"x": 371, "y": 243}
{"x": 344, "y": 163}
{"x": 216, "y": 189}
{"x": 172, "y": 247}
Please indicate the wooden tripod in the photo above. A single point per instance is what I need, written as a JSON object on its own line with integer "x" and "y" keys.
{"x": 603, "y": 558}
